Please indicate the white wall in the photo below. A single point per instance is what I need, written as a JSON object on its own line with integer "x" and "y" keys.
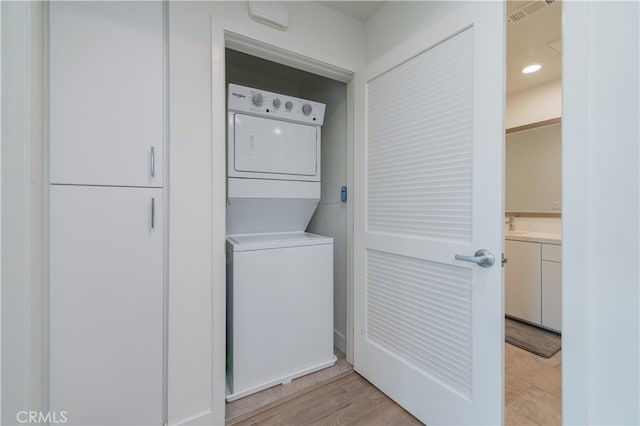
{"x": 15, "y": 214}
{"x": 1, "y": 78}
{"x": 538, "y": 103}
{"x": 330, "y": 218}
{"x": 196, "y": 346}
{"x": 23, "y": 309}
{"x": 190, "y": 215}
{"x": 601, "y": 213}
{"x": 397, "y": 21}
{"x": 315, "y": 31}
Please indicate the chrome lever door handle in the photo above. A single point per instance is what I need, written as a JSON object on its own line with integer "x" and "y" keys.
{"x": 482, "y": 258}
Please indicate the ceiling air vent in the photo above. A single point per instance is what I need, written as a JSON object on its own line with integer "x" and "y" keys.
{"x": 527, "y": 9}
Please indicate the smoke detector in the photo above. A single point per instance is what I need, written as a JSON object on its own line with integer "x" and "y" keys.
{"x": 528, "y": 8}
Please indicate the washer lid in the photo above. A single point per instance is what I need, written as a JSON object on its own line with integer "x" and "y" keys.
{"x": 249, "y": 242}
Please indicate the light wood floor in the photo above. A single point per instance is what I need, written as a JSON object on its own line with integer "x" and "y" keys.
{"x": 347, "y": 399}
{"x": 337, "y": 395}
{"x": 278, "y": 394}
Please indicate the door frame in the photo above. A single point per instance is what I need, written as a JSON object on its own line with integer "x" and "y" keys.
{"x": 225, "y": 33}
{"x": 594, "y": 105}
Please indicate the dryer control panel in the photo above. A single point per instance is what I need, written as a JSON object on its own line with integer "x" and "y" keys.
{"x": 274, "y": 105}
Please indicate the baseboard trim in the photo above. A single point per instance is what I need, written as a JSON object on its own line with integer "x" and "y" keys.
{"x": 282, "y": 380}
{"x": 203, "y": 419}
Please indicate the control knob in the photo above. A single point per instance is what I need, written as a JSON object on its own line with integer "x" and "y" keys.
{"x": 306, "y": 109}
{"x": 257, "y": 99}
{"x": 276, "y": 103}
{"x": 288, "y": 105}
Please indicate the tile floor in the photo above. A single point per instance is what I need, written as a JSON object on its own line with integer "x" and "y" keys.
{"x": 532, "y": 388}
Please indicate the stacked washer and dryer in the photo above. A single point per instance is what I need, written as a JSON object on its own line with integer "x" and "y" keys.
{"x": 279, "y": 278}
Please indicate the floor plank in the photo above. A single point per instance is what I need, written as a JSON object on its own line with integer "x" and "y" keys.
{"x": 259, "y": 409}
{"x": 356, "y": 410}
{"x": 350, "y": 400}
{"x": 256, "y": 402}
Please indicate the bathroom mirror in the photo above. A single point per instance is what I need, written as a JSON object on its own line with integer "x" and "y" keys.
{"x": 533, "y": 175}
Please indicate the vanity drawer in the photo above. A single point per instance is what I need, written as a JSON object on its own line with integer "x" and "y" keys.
{"x": 552, "y": 252}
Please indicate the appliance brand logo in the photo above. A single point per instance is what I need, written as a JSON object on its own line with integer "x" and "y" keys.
{"x": 238, "y": 95}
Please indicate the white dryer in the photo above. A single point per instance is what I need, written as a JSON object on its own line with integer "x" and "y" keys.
{"x": 273, "y": 165}
{"x": 279, "y": 278}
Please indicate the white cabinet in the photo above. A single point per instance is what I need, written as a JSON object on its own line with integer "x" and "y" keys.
{"x": 551, "y": 287}
{"x": 533, "y": 283}
{"x": 106, "y": 98}
{"x": 106, "y": 106}
{"x": 106, "y": 304}
{"x": 522, "y": 281}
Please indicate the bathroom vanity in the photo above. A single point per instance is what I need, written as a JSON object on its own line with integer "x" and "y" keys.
{"x": 533, "y": 278}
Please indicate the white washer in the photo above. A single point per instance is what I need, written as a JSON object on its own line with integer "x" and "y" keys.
{"x": 279, "y": 278}
{"x": 279, "y": 309}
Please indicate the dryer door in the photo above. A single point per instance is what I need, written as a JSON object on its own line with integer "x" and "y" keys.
{"x": 272, "y": 149}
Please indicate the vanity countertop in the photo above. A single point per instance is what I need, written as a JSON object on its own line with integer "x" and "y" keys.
{"x": 534, "y": 237}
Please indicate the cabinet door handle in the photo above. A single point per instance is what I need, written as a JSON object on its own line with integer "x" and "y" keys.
{"x": 153, "y": 213}
{"x": 153, "y": 162}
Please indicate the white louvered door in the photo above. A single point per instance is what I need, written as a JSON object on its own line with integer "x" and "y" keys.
{"x": 429, "y": 165}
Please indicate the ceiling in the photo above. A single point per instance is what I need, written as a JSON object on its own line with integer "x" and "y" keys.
{"x": 534, "y": 38}
{"x": 360, "y": 10}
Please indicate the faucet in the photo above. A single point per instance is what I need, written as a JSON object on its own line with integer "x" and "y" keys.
{"x": 511, "y": 221}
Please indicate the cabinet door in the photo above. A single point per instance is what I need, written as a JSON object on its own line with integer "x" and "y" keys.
{"x": 522, "y": 281}
{"x": 106, "y": 305}
{"x": 106, "y": 93}
{"x": 552, "y": 295}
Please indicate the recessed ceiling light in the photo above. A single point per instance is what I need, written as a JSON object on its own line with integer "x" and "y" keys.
{"x": 531, "y": 68}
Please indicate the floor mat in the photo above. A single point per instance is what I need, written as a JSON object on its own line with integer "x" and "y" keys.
{"x": 533, "y": 339}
